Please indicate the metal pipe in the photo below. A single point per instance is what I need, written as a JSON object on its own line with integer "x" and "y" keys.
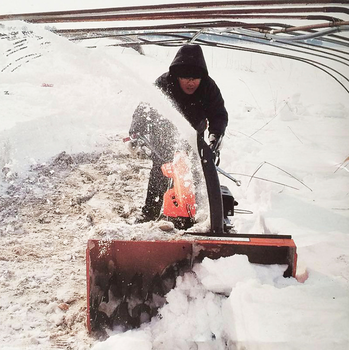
{"x": 221, "y": 171}
{"x": 331, "y": 30}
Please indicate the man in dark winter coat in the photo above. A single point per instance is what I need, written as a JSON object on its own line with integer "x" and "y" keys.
{"x": 195, "y": 94}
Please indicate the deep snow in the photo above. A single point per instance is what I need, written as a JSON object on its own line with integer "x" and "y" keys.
{"x": 289, "y": 123}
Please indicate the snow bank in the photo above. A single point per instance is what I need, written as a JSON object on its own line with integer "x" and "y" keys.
{"x": 61, "y": 102}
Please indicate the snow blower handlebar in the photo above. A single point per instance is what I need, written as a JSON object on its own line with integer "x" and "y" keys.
{"x": 212, "y": 184}
{"x": 221, "y": 171}
{"x": 215, "y": 146}
{"x": 138, "y": 138}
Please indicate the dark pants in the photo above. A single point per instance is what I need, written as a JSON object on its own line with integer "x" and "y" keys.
{"x": 157, "y": 186}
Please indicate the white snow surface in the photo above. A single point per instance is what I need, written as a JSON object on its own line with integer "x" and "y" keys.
{"x": 288, "y": 124}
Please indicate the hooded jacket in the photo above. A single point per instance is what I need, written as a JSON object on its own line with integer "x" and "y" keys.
{"x": 206, "y": 103}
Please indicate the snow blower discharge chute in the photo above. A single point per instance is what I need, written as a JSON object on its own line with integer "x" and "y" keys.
{"x": 127, "y": 280}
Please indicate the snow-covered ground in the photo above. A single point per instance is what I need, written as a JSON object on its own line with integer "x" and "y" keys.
{"x": 289, "y": 124}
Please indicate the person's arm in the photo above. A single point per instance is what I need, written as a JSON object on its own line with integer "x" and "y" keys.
{"x": 217, "y": 115}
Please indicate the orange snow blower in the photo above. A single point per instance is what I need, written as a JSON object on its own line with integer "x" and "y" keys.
{"x": 179, "y": 200}
{"x": 127, "y": 280}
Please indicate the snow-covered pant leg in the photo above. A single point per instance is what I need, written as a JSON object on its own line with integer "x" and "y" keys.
{"x": 157, "y": 186}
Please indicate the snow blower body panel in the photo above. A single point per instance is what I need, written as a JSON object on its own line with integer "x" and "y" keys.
{"x": 179, "y": 200}
{"x": 127, "y": 280}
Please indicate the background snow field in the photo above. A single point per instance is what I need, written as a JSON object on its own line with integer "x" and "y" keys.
{"x": 288, "y": 126}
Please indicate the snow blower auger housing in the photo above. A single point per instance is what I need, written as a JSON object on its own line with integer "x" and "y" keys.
{"x": 127, "y": 280}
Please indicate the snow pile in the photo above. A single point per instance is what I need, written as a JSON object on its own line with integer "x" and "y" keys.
{"x": 230, "y": 303}
{"x": 57, "y": 78}
{"x": 288, "y": 130}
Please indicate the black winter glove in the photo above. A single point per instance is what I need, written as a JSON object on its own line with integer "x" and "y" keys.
{"x": 215, "y": 141}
